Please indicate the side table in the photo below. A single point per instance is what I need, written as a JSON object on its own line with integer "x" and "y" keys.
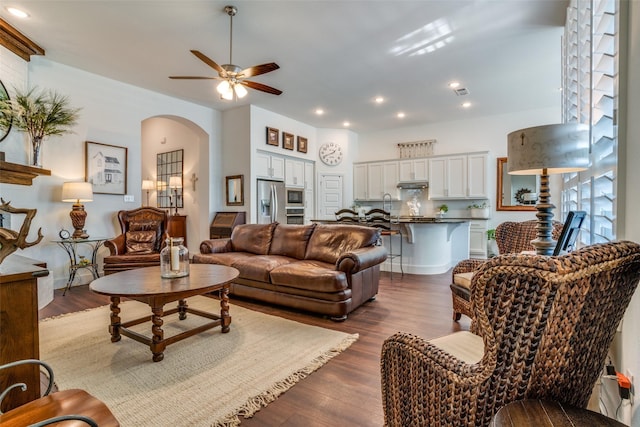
{"x": 533, "y": 412}
{"x": 76, "y": 261}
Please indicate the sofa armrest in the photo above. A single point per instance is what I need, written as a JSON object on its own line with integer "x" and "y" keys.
{"x": 214, "y": 246}
{"x": 116, "y": 245}
{"x": 361, "y": 259}
{"x": 423, "y": 384}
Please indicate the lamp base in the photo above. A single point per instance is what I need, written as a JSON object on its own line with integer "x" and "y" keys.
{"x": 78, "y": 216}
{"x": 544, "y": 243}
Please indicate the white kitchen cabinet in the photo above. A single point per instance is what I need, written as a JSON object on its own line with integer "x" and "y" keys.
{"x": 269, "y": 166}
{"x": 477, "y": 176}
{"x": 294, "y": 173}
{"x": 448, "y": 177}
{"x": 462, "y": 176}
{"x": 478, "y": 239}
{"x": 360, "y": 182}
{"x": 414, "y": 169}
{"x": 382, "y": 177}
{"x": 309, "y": 192}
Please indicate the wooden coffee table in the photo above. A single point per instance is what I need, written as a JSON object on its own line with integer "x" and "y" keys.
{"x": 145, "y": 285}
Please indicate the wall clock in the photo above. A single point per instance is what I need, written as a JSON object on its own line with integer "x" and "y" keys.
{"x": 330, "y": 153}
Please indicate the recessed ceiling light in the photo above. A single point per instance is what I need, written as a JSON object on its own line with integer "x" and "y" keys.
{"x": 319, "y": 111}
{"x": 466, "y": 104}
{"x": 454, "y": 85}
{"x": 400, "y": 115}
{"x": 17, "y": 12}
{"x": 379, "y": 99}
{"x": 346, "y": 124}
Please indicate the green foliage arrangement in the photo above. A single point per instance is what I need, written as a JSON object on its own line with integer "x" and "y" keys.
{"x": 38, "y": 113}
{"x": 443, "y": 208}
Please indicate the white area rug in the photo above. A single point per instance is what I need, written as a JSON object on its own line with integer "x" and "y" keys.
{"x": 210, "y": 379}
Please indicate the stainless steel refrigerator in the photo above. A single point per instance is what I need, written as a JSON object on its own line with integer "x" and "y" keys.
{"x": 271, "y": 202}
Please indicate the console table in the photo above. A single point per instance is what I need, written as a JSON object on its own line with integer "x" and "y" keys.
{"x": 77, "y": 262}
{"x": 19, "y": 338}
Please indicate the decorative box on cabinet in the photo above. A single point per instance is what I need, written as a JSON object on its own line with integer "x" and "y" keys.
{"x": 224, "y": 223}
{"x": 178, "y": 227}
{"x": 19, "y": 338}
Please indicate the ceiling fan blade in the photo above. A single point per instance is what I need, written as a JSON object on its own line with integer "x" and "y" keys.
{"x": 256, "y": 70}
{"x": 210, "y": 62}
{"x": 261, "y": 87}
{"x": 193, "y": 77}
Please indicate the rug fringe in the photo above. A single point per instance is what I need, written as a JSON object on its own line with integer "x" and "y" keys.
{"x": 260, "y": 401}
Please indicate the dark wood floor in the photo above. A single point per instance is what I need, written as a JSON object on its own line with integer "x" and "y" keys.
{"x": 345, "y": 391}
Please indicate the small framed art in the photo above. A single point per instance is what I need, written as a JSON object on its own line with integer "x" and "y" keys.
{"x": 272, "y": 136}
{"x": 287, "y": 141}
{"x": 106, "y": 168}
{"x": 302, "y": 144}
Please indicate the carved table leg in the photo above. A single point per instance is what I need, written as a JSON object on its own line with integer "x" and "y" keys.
{"x": 157, "y": 343}
{"x": 225, "y": 319}
{"x": 114, "y": 327}
{"x": 182, "y": 309}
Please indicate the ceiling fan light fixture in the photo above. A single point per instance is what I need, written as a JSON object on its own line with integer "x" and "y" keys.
{"x": 223, "y": 87}
{"x": 241, "y": 92}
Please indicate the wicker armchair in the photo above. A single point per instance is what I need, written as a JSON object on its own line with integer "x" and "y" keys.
{"x": 511, "y": 237}
{"x": 542, "y": 328}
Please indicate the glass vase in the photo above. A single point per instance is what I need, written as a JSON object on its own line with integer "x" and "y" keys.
{"x": 36, "y": 152}
{"x": 174, "y": 259}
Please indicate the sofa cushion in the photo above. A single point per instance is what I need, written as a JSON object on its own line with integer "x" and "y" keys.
{"x": 253, "y": 238}
{"x": 329, "y": 242}
{"x": 140, "y": 242}
{"x": 226, "y": 258}
{"x": 149, "y": 225}
{"x": 308, "y": 274}
{"x": 291, "y": 240}
{"x": 259, "y": 267}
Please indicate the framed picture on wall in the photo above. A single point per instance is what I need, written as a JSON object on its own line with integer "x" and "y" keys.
{"x": 106, "y": 168}
{"x": 287, "y": 141}
{"x": 302, "y": 144}
{"x": 272, "y": 136}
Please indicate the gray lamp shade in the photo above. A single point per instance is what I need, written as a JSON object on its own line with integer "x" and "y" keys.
{"x": 559, "y": 148}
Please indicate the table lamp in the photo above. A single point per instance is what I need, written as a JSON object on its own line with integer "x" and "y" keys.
{"x": 77, "y": 192}
{"x": 545, "y": 150}
{"x": 175, "y": 182}
{"x": 148, "y": 185}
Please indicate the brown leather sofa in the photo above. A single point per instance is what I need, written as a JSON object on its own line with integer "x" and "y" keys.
{"x": 325, "y": 269}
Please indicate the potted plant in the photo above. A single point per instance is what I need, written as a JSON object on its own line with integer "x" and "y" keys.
{"x": 442, "y": 209}
{"x": 479, "y": 210}
{"x": 492, "y": 247}
{"x": 39, "y": 114}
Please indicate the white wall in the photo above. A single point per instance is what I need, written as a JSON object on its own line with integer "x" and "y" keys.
{"x": 112, "y": 113}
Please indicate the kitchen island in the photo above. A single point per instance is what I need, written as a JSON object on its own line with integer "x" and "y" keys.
{"x": 429, "y": 245}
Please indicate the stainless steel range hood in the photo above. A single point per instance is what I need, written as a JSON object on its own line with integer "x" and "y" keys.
{"x": 413, "y": 185}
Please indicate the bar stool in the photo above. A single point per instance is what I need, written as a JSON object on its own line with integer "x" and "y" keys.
{"x": 381, "y": 219}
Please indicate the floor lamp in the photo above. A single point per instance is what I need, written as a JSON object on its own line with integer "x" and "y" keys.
{"x": 547, "y": 150}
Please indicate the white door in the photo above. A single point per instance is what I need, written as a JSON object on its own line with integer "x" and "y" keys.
{"x": 329, "y": 195}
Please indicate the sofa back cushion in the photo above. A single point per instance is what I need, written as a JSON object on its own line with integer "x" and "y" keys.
{"x": 253, "y": 238}
{"x": 291, "y": 240}
{"x": 140, "y": 241}
{"x": 328, "y": 242}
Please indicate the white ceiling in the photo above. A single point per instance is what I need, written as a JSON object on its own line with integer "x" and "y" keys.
{"x": 337, "y": 55}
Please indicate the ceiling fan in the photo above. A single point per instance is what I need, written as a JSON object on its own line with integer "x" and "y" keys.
{"x": 234, "y": 77}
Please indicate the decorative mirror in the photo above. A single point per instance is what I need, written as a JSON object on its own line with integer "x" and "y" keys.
{"x": 4, "y": 95}
{"x": 170, "y": 165}
{"x": 515, "y": 192}
{"x": 235, "y": 190}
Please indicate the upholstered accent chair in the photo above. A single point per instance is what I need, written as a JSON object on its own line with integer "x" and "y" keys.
{"x": 144, "y": 231}
{"x": 542, "y": 328}
{"x": 511, "y": 237}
